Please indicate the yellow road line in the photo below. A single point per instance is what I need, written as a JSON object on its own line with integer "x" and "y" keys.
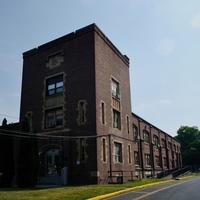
{"x": 150, "y": 193}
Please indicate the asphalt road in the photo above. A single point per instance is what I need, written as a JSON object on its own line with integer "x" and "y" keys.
{"x": 185, "y": 189}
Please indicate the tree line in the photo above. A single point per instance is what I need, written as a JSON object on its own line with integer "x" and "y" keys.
{"x": 18, "y": 158}
{"x": 190, "y": 144}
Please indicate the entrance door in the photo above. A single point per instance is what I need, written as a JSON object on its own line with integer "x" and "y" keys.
{"x": 52, "y": 157}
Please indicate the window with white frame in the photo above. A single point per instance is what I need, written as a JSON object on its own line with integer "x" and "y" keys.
{"x": 115, "y": 89}
{"x": 117, "y": 152}
{"x": 147, "y": 160}
{"x": 116, "y": 119}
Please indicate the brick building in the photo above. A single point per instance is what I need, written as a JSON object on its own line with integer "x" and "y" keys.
{"x": 76, "y": 93}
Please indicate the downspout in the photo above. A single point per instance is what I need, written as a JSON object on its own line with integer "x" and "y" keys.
{"x": 151, "y": 150}
{"x": 110, "y": 157}
{"x": 167, "y": 153}
{"x": 160, "y": 152}
{"x": 140, "y": 149}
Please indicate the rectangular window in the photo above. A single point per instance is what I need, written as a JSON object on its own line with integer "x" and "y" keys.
{"x": 146, "y": 137}
{"x": 117, "y": 152}
{"x": 81, "y": 112}
{"x": 82, "y": 150}
{"x": 155, "y": 140}
{"x": 170, "y": 146}
{"x": 104, "y": 149}
{"x": 165, "y": 162}
{"x": 54, "y": 85}
{"x": 102, "y": 112}
{"x": 116, "y": 119}
{"x": 163, "y": 143}
{"x": 157, "y": 161}
{"x": 136, "y": 158}
{"x": 29, "y": 116}
{"x": 127, "y": 124}
{"x": 147, "y": 160}
{"x": 54, "y": 118}
{"x": 135, "y": 133}
{"x": 129, "y": 154}
{"x": 174, "y": 147}
{"x": 115, "y": 89}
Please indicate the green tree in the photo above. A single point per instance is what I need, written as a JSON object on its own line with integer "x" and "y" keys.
{"x": 190, "y": 144}
{"x": 27, "y": 167}
{"x": 4, "y": 123}
{"x": 7, "y": 166}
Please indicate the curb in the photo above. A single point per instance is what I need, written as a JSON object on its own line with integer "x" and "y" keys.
{"x": 127, "y": 190}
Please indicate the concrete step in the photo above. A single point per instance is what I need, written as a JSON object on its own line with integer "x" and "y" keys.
{"x": 50, "y": 180}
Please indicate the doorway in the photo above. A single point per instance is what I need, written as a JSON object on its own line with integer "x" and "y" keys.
{"x": 52, "y": 161}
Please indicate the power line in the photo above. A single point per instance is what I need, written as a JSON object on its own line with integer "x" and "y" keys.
{"x": 20, "y": 134}
{"x": 8, "y": 116}
{"x": 42, "y": 136}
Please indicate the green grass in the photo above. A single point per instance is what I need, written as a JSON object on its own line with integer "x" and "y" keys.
{"x": 69, "y": 192}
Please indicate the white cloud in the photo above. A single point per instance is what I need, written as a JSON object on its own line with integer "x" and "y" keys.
{"x": 196, "y": 21}
{"x": 166, "y": 46}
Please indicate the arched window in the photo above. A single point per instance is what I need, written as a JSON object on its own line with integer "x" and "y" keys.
{"x": 146, "y": 137}
{"x": 155, "y": 140}
{"x": 163, "y": 143}
{"x": 135, "y": 132}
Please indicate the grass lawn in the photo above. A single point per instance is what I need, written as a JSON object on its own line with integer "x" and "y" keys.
{"x": 69, "y": 192}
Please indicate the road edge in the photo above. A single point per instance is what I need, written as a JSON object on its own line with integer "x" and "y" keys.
{"x": 104, "y": 196}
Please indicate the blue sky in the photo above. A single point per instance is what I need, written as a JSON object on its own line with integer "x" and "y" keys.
{"x": 161, "y": 38}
